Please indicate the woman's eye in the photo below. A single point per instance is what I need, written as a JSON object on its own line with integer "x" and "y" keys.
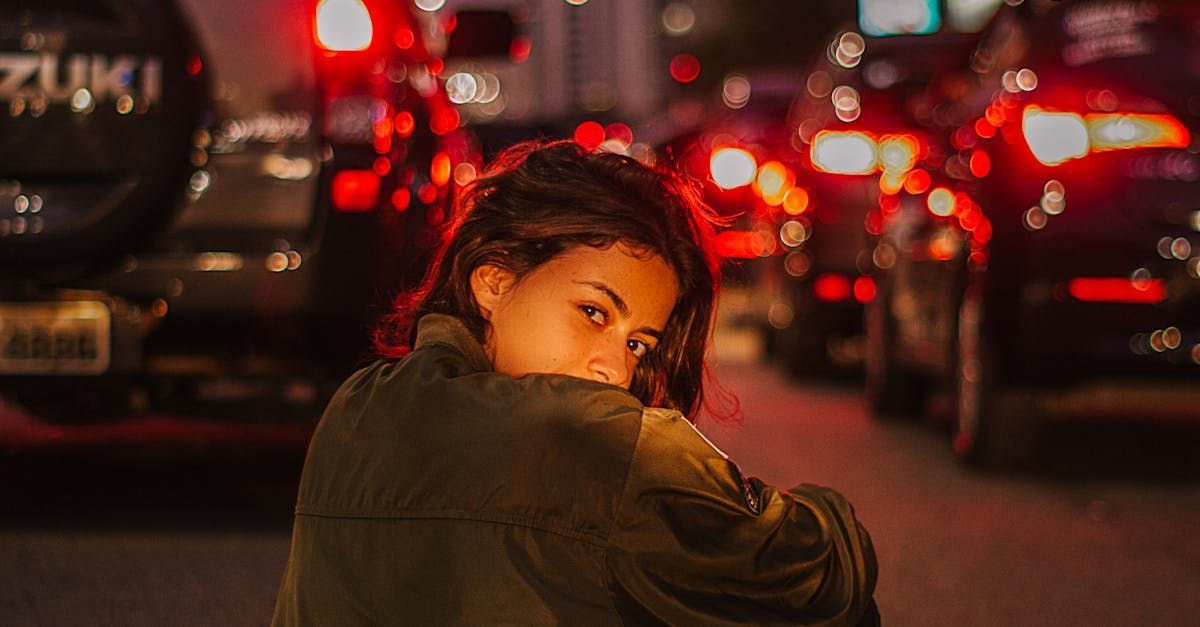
{"x": 595, "y": 314}
{"x": 638, "y": 348}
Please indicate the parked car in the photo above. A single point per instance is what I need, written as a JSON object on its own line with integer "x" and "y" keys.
{"x": 211, "y": 197}
{"x": 1053, "y": 272}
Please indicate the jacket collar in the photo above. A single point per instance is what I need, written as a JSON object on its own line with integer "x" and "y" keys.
{"x": 447, "y": 330}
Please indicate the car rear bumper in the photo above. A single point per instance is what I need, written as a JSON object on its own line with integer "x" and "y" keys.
{"x": 1138, "y": 400}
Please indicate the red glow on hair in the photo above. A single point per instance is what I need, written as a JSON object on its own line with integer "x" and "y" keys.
{"x": 195, "y": 65}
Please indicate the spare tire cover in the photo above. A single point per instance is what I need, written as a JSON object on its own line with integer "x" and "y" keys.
{"x": 99, "y": 102}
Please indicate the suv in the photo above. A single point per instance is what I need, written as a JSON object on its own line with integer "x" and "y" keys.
{"x": 1055, "y": 273}
{"x": 211, "y": 198}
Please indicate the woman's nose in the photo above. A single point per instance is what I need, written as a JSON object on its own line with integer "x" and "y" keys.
{"x": 608, "y": 364}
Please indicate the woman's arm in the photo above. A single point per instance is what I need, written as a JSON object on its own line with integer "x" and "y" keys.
{"x": 696, "y": 543}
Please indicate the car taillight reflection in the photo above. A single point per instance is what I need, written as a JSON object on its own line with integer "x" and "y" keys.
{"x": 1055, "y": 136}
{"x": 343, "y": 25}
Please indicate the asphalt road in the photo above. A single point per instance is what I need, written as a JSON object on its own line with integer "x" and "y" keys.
{"x": 188, "y": 528}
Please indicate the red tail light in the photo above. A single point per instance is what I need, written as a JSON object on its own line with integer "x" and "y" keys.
{"x": 864, "y": 289}
{"x": 343, "y": 25}
{"x": 744, "y": 244}
{"x": 355, "y": 190}
{"x": 1115, "y": 131}
{"x": 1117, "y": 290}
{"x": 1056, "y": 136}
{"x": 832, "y": 288}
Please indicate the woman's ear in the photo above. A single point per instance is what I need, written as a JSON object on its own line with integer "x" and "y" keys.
{"x": 490, "y": 283}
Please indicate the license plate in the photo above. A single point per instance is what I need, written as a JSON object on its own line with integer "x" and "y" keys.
{"x": 70, "y": 337}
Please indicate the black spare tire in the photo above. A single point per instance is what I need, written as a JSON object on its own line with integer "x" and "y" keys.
{"x": 99, "y": 103}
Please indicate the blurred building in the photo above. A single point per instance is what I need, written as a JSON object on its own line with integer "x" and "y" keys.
{"x": 603, "y": 59}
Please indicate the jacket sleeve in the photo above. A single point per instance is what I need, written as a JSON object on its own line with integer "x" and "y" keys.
{"x": 694, "y": 542}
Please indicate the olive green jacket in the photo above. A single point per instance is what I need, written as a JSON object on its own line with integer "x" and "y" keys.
{"x": 439, "y": 492}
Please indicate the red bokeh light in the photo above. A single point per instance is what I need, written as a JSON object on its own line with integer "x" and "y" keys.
{"x": 981, "y": 164}
{"x": 382, "y": 166}
{"x": 589, "y": 134}
{"x": 685, "y": 68}
{"x": 864, "y": 289}
{"x": 404, "y": 123}
{"x": 519, "y": 49}
{"x": 832, "y": 288}
{"x": 917, "y": 182}
{"x": 404, "y": 38}
{"x": 401, "y": 199}
{"x": 355, "y": 190}
{"x": 1117, "y": 290}
{"x": 620, "y": 132}
{"x": 444, "y": 121}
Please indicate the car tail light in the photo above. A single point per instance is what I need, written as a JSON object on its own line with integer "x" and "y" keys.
{"x": 842, "y": 152}
{"x": 864, "y": 289}
{"x": 736, "y": 244}
{"x": 355, "y": 190}
{"x": 1115, "y": 131}
{"x": 343, "y": 25}
{"x": 1117, "y": 290}
{"x": 732, "y": 167}
{"x": 832, "y": 288}
{"x": 1055, "y": 137}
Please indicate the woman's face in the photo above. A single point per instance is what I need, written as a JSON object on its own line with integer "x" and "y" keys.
{"x": 591, "y": 313}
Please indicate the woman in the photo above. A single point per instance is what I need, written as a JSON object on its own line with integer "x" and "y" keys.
{"x": 530, "y": 459}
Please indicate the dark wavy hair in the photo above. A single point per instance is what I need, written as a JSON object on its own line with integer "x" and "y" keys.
{"x": 539, "y": 199}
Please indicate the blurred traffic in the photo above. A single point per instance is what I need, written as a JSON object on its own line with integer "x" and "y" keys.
{"x": 906, "y": 204}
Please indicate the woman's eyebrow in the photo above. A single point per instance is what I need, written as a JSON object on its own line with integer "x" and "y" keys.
{"x": 620, "y": 304}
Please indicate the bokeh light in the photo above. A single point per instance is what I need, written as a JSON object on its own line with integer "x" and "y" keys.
{"x": 732, "y": 167}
